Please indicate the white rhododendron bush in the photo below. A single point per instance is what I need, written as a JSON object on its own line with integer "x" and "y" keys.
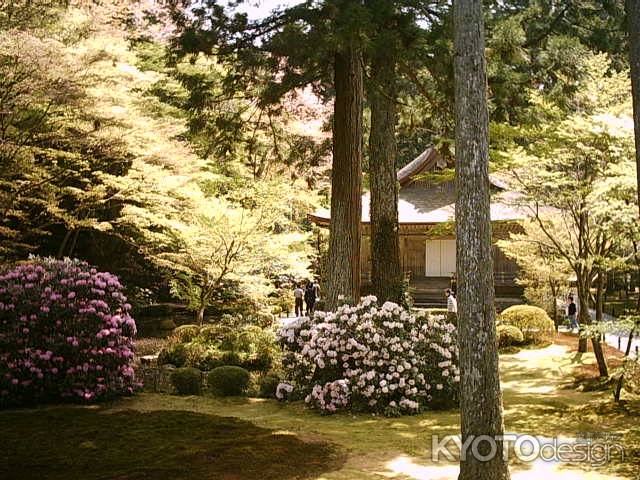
{"x": 371, "y": 358}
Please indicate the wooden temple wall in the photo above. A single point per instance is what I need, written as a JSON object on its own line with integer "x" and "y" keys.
{"x": 413, "y": 255}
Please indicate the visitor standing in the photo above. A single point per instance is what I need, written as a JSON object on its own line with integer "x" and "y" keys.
{"x": 452, "y": 307}
{"x": 572, "y": 314}
{"x": 310, "y": 298}
{"x": 298, "y": 294}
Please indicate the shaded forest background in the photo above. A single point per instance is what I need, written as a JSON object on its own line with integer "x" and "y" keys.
{"x": 126, "y": 140}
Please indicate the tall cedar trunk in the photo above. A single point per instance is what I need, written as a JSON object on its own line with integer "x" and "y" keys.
{"x": 633, "y": 25}
{"x": 481, "y": 398}
{"x": 386, "y": 273}
{"x": 343, "y": 272}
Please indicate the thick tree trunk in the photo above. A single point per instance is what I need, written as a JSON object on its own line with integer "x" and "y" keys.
{"x": 343, "y": 272}
{"x": 386, "y": 272}
{"x": 633, "y": 25}
{"x": 481, "y": 398}
{"x": 200, "y": 315}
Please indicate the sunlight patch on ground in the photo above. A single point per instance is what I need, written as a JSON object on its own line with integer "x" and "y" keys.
{"x": 540, "y": 469}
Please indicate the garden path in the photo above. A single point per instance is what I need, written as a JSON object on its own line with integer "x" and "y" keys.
{"x": 537, "y": 400}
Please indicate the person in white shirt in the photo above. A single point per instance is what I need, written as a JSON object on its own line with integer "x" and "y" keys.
{"x": 298, "y": 295}
{"x": 452, "y": 303}
{"x": 452, "y": 307}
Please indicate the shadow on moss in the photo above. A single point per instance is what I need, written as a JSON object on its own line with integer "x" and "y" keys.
{"x": 90, "y": 443}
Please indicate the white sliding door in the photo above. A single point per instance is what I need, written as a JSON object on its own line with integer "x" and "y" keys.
{"x": 447, "y": 257}
{"x": 432, "y": 259}
{"x": 440, "y": 258}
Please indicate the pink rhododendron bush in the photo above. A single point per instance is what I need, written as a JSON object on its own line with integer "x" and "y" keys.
{"x": 371, "y": 358}
{"x": 65, "y": 334}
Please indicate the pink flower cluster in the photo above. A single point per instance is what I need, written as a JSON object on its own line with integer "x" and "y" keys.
{"x": 65, "y": 334}
{"x": 371, "y": 358}
{"x": 330, "y": 397}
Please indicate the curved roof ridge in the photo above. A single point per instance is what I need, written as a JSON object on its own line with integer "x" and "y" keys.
{"x": 425, "y": 161}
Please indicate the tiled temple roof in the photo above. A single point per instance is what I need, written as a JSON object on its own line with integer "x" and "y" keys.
{"x": 421, "y": 202}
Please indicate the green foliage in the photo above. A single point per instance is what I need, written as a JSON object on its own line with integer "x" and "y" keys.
{"x": 543, "y": 272}
{"x": 534, "y": 323}
{"x": 228, "y": 381}
{"x": 185, "y": 333}
{"x": 268, "y": 384}
{"x": 175, "y": 354}
{"x": 211, "y": 346}
{"x": 509, "y": 336}
{"x": 186, "y": 381}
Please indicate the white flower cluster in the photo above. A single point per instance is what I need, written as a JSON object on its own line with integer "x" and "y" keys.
{"x": 283, "y": 390}
{"x": 372, "y": 358}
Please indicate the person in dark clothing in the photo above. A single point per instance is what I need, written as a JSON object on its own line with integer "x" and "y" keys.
{"x": 310, "y": 298}
{"x": 572, "y": 311}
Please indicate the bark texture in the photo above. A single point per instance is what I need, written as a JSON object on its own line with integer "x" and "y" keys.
{"x": 633, "y": 25}
{"x": 481, "y": 398}
{"x": 386, "y": 272}
{"x": 343, "y": 270}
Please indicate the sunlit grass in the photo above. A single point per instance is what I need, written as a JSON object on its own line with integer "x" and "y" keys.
{"x": 537, "y": 402}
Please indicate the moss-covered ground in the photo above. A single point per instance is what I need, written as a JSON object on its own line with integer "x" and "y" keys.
{"x": 162, "y": 436}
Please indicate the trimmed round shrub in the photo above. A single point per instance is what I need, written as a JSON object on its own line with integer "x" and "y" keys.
{"x": 373, "y": 358}
{"x": 509, "y": 336}
{"x": 186, "y": 381}
{"x": 174, "y": 354}
{"x": 65, "y": 334}
{"x": 228, "y": 381}
{"x": 185, "y": 333}
{"x": 268, "y": 385}
{"x": 534, "y": 323}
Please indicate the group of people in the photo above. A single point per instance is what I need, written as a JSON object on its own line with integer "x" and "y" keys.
{"x": 306, "y": 297}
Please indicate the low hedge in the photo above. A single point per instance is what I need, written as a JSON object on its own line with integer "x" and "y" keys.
{"x": 534, "y": 323}
{"x": 509, "y": 336}
{"x": 228, "y": 381}
{"x": 186, "y": 381}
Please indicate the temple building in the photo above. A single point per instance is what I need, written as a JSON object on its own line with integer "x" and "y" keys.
{"x": 426, "y": 214}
